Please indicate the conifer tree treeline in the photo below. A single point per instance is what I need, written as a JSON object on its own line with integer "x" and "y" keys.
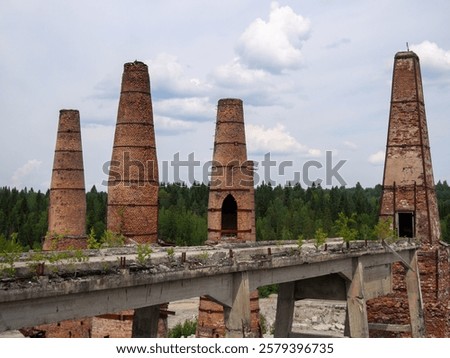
{"x": 282, "y": 213}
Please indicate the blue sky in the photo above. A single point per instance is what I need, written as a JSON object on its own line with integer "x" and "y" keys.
{"x": 314, "y": 76}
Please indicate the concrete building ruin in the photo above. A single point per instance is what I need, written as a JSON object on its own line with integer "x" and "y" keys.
{"x": 133, "y": 176}
{"x": 231, "y": 206}
{"x": 409, "y": 201}
{"x": 67, "y": 209}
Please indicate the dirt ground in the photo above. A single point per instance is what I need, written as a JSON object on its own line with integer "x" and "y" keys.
{"x": 310, "y": 316}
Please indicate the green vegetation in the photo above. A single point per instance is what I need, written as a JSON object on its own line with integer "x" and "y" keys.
{"x": 384, "y": 231}
{"x": 185, "y": 329}
{"x": 346, "y": 227}
{"x": 282, "y": 213}
{"x": 266, "y": 291}
{"x": 320, "y": 237}
{"x": 10, "y": 251}
{"x": 143, "y": 253}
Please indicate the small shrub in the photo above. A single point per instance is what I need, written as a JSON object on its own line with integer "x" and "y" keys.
{"x": 345, "y": 227}
{"x": 143, "y": 253}
{"x": 112, "y": 239}
{"x": 320, "y": 237}
{"x": 266, "y": 291}
{"x": 186, "y": 329}
{"x": 10, "y": 251}
{"x": 384, "y": 230}
{"x": 92, "y": 242}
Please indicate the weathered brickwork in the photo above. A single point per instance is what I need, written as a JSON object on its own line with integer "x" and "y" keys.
{"x": 409, "y": 200}
{"x": 133, "y": 177}
{"x": 67, "y": 210}
{"x": 232, "y": 175}
{"x": 231, "y": 205}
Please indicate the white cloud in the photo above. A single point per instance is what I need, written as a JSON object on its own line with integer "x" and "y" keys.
{"x": 275, "y": 140}
{"x": 432, "y": 56}
{"x": 377, "y": 158}
{"x": 24, "y": 171}
{"x": 255, "y": 86}
{"x": 350, "y": 145}
{"x": 235, "y": 74}
{"x": 170, "y": 126}
{"x": 274, "y": 45}
{"x": 194, "y": 108}
{"x": 168, "y": 78}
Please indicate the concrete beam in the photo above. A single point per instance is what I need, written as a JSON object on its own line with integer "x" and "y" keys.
{"x": 30, "y": 303}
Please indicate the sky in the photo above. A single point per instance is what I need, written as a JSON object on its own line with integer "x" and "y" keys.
{"x": 314, "y": 76}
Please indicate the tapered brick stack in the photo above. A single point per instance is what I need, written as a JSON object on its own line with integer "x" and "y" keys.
{"x": 133, "y": 177}
{"x": 231, "y": 205}
{"x": 67, "y": 209}
{"x": 409, "y": 201}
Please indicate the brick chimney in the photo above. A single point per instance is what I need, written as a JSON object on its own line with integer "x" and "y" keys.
{"x": 67, "y": 209}
{"x": 133, "y": 177}
{"x": 409, "y": 201}
{"x": 231, "y": 206}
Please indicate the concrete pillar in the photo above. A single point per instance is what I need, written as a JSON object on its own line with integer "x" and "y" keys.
{"x": 67, "y": 209}
{"x": 358, "y": 324}
{"x": 285, "y": 309}
{"x": 237, "y": 317}
{"x": 133, "y": 176}
{"x": 145, "y": 322}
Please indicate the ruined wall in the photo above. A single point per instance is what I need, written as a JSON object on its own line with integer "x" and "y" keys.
{"x": 133, "y": 177}
{"x": 67, "y": 209}
{"x": 408, "y": 187}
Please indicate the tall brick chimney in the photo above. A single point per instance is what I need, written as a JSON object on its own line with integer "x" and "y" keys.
{"x": 67, "y": 209}
{"x": 231, "y": 206}
{"x": 133, "y": 177}
{"x": 409, "y": 198}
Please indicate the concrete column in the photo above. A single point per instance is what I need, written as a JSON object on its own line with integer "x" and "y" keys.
{"x": 356, "y": 305}
{"x": 145, "y": 322}
{"x": 237, "y": 317}
{"x": 285, "y": 310}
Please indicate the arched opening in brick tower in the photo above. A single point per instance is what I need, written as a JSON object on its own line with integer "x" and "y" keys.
{"x": 229, "y": 216}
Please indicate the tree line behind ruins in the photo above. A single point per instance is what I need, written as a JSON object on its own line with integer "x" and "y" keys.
{"x": 282, "y": 213}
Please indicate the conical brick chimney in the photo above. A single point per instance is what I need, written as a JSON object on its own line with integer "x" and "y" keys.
{"x": 67, "y": 210}
{"x": 231, "y": 206}
{"x": 133, "y": 177}
{"x": 409, "y": 201}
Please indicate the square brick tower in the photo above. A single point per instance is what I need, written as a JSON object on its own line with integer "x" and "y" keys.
{"x": 67, "y": 209}
{"x": 133, "y": 176}
{"x": 409, "y": 198}
{"x": 231, "y": 206}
